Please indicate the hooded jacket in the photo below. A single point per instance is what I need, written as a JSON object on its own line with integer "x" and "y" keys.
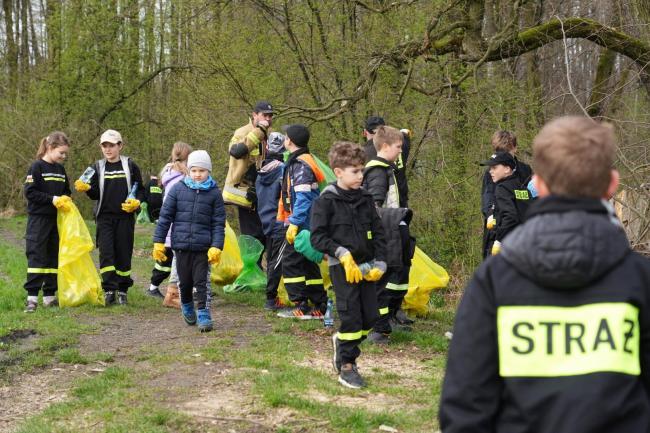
{"x": 349, "y": 221}
{"x": 553, "y": 334}
{"x": 268, "y": 186}
{"x": 170, "y": 177}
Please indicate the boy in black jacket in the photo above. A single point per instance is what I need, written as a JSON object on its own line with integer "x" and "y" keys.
{"x": 511, "y": 199}
{"x": 346, "y": 227}
{"x": 553, "y": 334}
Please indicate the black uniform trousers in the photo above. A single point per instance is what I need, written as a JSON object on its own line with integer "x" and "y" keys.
{"x": 356, "y": 305}
{"x": 273, "y": 265}
{"x": 192, "y": 267}
{"x": 302, "y": 279}
{"x": 385, "y": 289}
{"x": 42, "y": 250}
{"x": 161, "y": 270}
{"x": 115, "y": 243}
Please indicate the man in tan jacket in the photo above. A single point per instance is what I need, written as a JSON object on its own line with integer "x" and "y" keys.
{"x": 247, "y": 150}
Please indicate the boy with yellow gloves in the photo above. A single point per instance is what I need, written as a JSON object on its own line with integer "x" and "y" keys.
{"x": 345, "y": 226}
{"x": 196, "y": 209}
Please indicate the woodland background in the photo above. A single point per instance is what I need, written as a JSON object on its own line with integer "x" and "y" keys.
{"x": 451, "y": 70}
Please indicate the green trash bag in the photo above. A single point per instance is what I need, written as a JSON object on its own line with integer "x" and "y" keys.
{"x": 143, "y": 216}
{"x": 303, "y": 246}
{"x": 251, "y": 278}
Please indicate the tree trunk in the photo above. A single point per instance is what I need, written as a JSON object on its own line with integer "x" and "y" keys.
{"x": 12, "y": 50}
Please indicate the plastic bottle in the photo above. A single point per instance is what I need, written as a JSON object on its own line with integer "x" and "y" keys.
{"x": 87, "y": 175}
{"x": 365, "y": 268}
{"x": 328, "y": 320}
{"x": 134, "y": 190}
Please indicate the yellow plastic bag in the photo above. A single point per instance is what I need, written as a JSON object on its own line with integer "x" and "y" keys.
{"x": 231, "y": 263}
{"x": 425, "y": 276}
{"x": 78, "y": 280}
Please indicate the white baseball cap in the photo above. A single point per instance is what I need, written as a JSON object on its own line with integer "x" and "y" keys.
{"x": 110, "y": 136}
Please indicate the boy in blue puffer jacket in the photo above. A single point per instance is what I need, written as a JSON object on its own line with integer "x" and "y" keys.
{"x": 196, "y": 209}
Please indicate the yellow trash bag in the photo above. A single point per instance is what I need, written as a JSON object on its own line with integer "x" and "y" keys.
{"x": 325, "y": 273}
{"x": 425, "y": 276}
{"x": 231, "y": 264}
{"x": 77, "y": 277}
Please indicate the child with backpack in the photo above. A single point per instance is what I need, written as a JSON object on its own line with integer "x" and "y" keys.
{"x": 46, "y": 190}
{"x": 116, "y": 186}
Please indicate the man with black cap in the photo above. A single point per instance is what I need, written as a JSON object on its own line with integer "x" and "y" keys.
{"x": 247, "y": 151}
{"x": 302, "y": 278}
{"x": 511, "y": 199}
{"x": 400, "y": 174}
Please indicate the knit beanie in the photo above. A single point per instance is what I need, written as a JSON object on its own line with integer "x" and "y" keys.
{"x": 199, "y": 158}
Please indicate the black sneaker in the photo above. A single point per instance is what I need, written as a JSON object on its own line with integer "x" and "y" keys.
{"x": 30, "y": 306}
{"x": 350, "y": 377}
{"x": 395, "y": 325}
{"x": 273, "y": 304}
{"x": 121, "y": 298}
{"x": 155, "y": 293}
{"x": 402, "y": 318}
{"x": 378, "y": 337}
{"x": 336, "y": 357}
{"x": 109, "y": 298}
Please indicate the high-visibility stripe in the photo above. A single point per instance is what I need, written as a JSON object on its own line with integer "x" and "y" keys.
{"x": 304, "y": 187}
{"x": 115, "y": 176}
{"x": 253, "y": 138}
{"x": 42, "y": 271}
{"x": 123, "y": 273}
{"x": 376, "y": 163}
{"x": 313, "y": 282}
{"x": 521, "y": 194}
{"x": 551, "y": 341}
{"x": 350, "y": 336}
{"x": 56, "y": 179}
{"x": 393, "y": 286}
{"x": 162, "y": 268}
{"x": 106, "y": 269}
{"x": 235, "y": 196}
{"x": 383, "y": 311}
{"x": 155, "y": 190}
{"x": 294, "y": 280}
{"x": 365, "y": 332}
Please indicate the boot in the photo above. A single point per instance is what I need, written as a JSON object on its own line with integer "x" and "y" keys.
{"x": 204, "y": 320}
{"x": 172, "y": 297}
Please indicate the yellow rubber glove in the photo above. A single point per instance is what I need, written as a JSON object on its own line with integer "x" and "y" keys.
{"x": 130, "y": 205}
{"x": 81, "y": 186}
{"x": 292, "y": 232}
{"x": 496, "y": 248}
{"x": 490, "y": 223}
{"x": 374, "y": 274}
{"x": 63, "y": 202}
{"x": 352, "y": 271}
{"x": 214, "y": 255}
{"x": 158, "y": 252}
{"x": 406, "y": 132}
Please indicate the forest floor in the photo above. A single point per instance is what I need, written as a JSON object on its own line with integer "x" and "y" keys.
{"x": 139, "y": 368}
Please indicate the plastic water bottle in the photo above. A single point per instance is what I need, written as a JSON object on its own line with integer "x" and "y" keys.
{"x": 134, "y": 190}
{"x": 328, "y": 320}
{"x": 87, "y": 175}
{"x": 365, "y": 268}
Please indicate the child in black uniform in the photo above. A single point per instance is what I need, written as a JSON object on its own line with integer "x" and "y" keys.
{"x": 346, "y": 227}
{"x": 46, "y": 190}
{"x": 111, "y": 184}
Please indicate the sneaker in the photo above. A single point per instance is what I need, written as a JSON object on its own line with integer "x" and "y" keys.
{"x": 188, "y": 313}
{"x": 30, "y": 306}
{"x": 155, "y": 293}
{"x": 317, "y": 314}
{"x": 395, "y": 325}
{"x": 401, "y": 318}
{"x": 295, "y": 313}
{"x": 336, "y": 357}
{"x": 204, "y": 320}
{"x": 273, "y": 304}
{"x": 350, "y": 376}
{"x": 121, "y": 298}
{"x": 109, "y": 298}
{"x": 50, "y": 304}
{"x": 378, "y": 337}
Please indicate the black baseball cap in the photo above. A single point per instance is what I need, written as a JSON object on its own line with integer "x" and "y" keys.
{"x": 264, "y": 107}
{"x": 373, "y": 122}
{"x": 298, "y": 134}
{"x": 503, "y": 158}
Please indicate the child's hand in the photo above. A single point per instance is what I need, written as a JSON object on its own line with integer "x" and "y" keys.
{"x": 292, "y": 232}
{"x": 130, "y": 205}
{"x": 158, "y": 252}
{"x": 63, "y": 202}
{"x": 373, "y": 274}
{"x": 81, "y": 186}
{"x": 214, "y": 255}
{"x": 491, "y": 222}
{"x": 352, "y": 271}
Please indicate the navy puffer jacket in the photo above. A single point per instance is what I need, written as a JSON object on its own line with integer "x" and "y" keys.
{"x": 199, "y": 218}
